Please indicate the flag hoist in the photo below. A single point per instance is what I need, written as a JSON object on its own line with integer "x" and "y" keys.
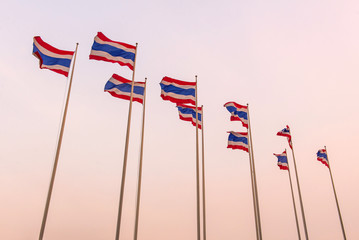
{"x": 58, "y": 61}
{"x": 181, "y": 92}
{"x": 322, "y": 156}
{"x": 124, "y": 54}
{"x": 285, "y": 132}
{"x": 243, "y": 141}
{"x": 284, "y": 165}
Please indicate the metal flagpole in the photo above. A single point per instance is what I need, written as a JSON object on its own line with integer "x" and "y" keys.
{"x": 126, "y": 152}
{"x": 295, "y": 208}
{"x": 197, "y": 172}
{"x": 253, "y": 195}
{"x": 203, "y": 182}
{"x": 335, "y": 194}
{"x": 299, "y": 193}
{"x": 140, "y": 164}
{"x": 254, "y": 176}
{"x": 57, "y": 151}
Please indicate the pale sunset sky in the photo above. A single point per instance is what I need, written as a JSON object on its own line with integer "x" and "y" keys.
{"x": 295, "y": 63}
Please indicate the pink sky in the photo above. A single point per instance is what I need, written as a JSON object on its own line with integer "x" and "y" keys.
{"x": 294, "y": 62}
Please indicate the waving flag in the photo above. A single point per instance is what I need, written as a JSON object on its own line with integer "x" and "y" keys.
{"x": 238, "y": 140}
{"x": 107, "y": 50}
{"x": 178, "y": 91}
{"x": 52, "y": 58}
{"x": 188, "y": 113}
{"x": 285, "y": 132}
{"x": 120, "y": 87}
{"x": 238, "y": 112}
{"x": 282, "y": 160}
{"x": 323, "y": 157}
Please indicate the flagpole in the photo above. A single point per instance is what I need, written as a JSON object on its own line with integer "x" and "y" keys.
{"x": 140, "y": 164}
{"x": 59, "y": 142}
{"x": 335, "y": 194}
{"x": 295, "y": 208}
{"x": 197, "y": 172}
{"x": 203, "y": 182}
{"x": 254, "y": 176}
{"x": 253, "y": 195}
{"x": 118, "y": 226}
{"x": 299, "y": 193}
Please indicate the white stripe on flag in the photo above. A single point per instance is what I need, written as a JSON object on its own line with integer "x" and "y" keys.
{"x": 177, "y": 96}
{"x": 116, "y": 45}
{"x": 178, "y": 85}
{"x": 110, "y": 57}
{"x": 49, "y": 53}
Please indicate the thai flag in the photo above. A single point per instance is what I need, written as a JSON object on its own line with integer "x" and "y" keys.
{"x": 120, "y": 87}
{"x": 52, "y": 58}
{"x": 188, "y": 113}
{"x": 238, "y": 140}
{"x": 178, "y": 91}
{"x": 323, "y": 157}
{"x": 107, "y": 50}
{"x": 238, "y": 112}
{"x": 285, "y": 132}
{"x": 282, "y": 160}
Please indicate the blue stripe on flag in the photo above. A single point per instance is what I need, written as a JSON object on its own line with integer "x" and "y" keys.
{"x": 282, "y": 159}
{"x": 322, "y": 155}
{"x": 116, "y": 52}
{"x": 125, "y": 87}
{"x": 178, "y": 90}
{"x": 190, "y": 111}
{"x": 240, "y": 114}
{"x": 46, "y": 60}
{"x": 234, "y": 138}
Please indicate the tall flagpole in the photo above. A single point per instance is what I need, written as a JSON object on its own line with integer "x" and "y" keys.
{"x": 59, "y": 142}
{"x": 126, "y": 152}
{"x": 254, "y": 176}
{"x": 299, "y": 193}
{"x": 140, "y": 165}
{"x": 203, "y": 183}
{"x": 253, "y": 195}
{"x": 295, "y": 208}
{"x": 336, "y": 198}
{"x": 197, "y": 172}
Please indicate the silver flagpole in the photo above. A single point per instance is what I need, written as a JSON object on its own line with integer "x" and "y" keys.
{"x": 295, "y": 208}
{"x": 125, "y": 153}
{"x": 140, "y": 164}
{"x": 299, "y": 193}
{"x": 253, "y": 194}
{"x": 336, "y": 198}
{"x": 197, "y": 172}
{"x": 254, "y": 176}
{"x": 203, "y": 182}
{"x": 59, "y": 142}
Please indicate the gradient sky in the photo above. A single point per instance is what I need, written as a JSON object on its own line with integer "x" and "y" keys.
{"x": 295, "y": 62}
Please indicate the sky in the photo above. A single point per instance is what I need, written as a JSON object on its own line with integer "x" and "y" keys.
{"x": 294, "y": 62}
